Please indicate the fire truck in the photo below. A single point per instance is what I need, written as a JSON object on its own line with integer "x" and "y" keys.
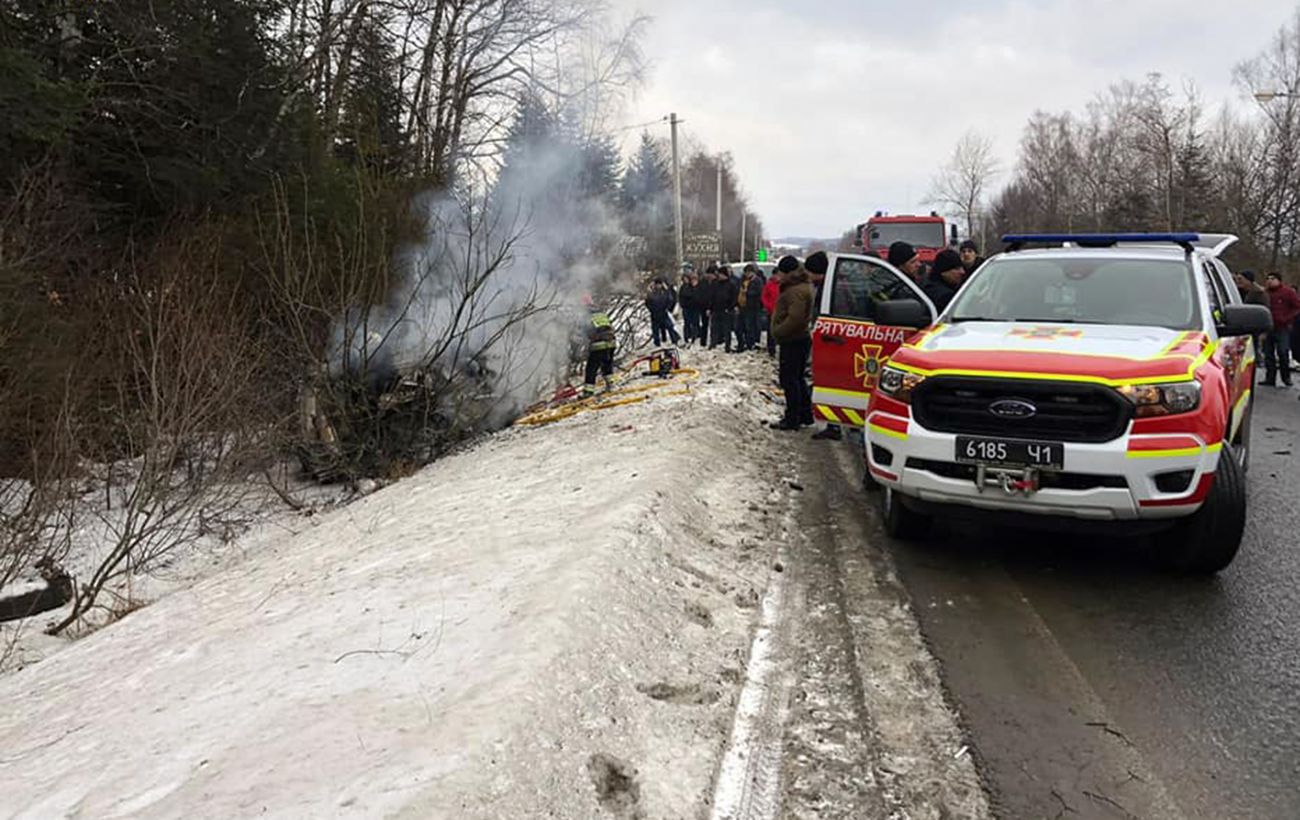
{"x": 928, "y": 234}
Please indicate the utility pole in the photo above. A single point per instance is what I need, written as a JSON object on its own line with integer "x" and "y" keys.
{"x": 744, "y": 223}
{"x": 677, "y": 193}
{"x": 718, "y": 226}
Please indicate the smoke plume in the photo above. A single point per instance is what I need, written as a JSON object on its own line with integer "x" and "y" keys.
{"x": 491, "y": 296}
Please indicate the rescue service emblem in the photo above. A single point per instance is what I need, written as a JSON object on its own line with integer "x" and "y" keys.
{"x": 867, "y": 364}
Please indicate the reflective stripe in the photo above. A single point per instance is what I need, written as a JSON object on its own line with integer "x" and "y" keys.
{"x": 1185, "y": 451}
{"x": 889, "y": 425}
{"x": 1239, "y": 413}
{"x": 876, "y": 428}
{"x": 852, "y": 415}
{"x": 1185, "y": 446}
{"x": 1058, "y": 377}
{"x": 827, "y": 413}
{"x": 885, "y": 474}
{"x": 835, "y": 391}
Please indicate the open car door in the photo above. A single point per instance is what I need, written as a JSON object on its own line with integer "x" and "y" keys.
{"x": 849, "y": 347}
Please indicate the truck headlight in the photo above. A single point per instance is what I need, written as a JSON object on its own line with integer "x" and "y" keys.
{"x": 898, "y": 384}
{"x": 1163, "y": 399}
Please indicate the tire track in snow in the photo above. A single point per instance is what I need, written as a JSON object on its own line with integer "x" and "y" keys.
{"x": 748, "y": 785}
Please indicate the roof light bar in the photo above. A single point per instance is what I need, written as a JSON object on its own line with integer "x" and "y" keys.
{"x": 1016, "y": 241}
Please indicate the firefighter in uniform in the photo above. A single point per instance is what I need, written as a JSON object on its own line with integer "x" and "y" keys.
{"x": 600, "y": 347}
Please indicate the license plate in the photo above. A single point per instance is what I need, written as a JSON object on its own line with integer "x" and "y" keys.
{"x": 1011, "y": 453}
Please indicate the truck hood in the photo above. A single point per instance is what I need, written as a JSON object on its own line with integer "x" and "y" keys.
{"x": 1108, "y": 353}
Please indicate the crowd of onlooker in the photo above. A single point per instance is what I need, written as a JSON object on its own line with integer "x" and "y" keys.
{"x": 727, "y": 307}
{"x": 732, "y": 307}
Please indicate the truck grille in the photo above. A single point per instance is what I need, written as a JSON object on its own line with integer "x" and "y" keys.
{"x": 1064, "y": 411}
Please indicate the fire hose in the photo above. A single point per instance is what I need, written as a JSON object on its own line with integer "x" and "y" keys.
{"x": 565, "y": 402}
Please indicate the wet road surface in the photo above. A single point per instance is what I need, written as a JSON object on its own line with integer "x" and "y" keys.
{"x": 1094, "y": 685}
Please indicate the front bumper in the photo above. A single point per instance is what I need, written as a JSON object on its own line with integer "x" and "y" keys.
{"x": 1113, "y": 481}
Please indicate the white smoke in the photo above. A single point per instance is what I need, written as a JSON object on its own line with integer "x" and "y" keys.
{"x": 493, "y": 292}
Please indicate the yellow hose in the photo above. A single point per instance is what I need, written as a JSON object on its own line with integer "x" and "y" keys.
{"x": 682, "y": 380}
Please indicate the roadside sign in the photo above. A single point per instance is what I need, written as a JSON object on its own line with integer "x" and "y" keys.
{"x": 702, "y": 246}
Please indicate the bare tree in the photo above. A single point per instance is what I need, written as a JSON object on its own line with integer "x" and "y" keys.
{"x": 965, "y": 180}
{"x": 1273, "y": 78}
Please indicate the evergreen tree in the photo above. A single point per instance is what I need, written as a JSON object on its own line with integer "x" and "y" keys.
{"x": 599, "y": 174}
{"x": 186, "y": 91}
{"x": 1194, "y": 184}
{"x": 646, "y": 182}
{"x": 370, "y": 127}
{"x": 645, "y": 197}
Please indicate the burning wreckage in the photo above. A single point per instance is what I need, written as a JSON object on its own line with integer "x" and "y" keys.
{"x": 373, "y": 420}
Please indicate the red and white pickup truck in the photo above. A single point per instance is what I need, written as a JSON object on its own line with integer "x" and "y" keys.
{"x": 1105, "y": 381}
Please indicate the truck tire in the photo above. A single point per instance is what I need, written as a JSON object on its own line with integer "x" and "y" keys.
{"x": 869, "y": 483}
{"x": 1207, "y": 540}
{"x": 900, "y": 521}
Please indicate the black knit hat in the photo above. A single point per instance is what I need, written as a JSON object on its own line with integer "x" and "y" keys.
{"x": 946, "y": 260}
{"x": 969, "y": 245}
{"x": 1248, "y": 275}
{"x": 788, "y": 264}
{"x": 817, "y": 264}
{"x": 900, "y": 253}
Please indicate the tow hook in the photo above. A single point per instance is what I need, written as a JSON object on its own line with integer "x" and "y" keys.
{"x": 1011, "y": 482}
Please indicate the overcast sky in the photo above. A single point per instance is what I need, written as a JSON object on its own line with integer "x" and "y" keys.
{"x": 834, "y": 109}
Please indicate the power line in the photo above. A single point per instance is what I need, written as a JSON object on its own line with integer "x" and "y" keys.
{"x": 642, "y": 125}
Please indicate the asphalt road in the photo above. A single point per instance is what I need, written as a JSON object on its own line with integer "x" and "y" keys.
{"x": 1092, "y": 684}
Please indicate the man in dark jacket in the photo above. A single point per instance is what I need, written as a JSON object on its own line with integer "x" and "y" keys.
{"x": 661, "y": 301}
{"x": 1285, "y": 305}
{"x": 1251, "y": 294}
{"x": 904, "y": 257}
{"x": 704, "y": 297}
{"x": 722, "y": 304}
{"x": 817, "y": 265}
{"x": 945, "y": 278}
{"x": 790, "y": 320}
{"x": 970, "y": 256}
{"x": 688, "y": 296}
{"x": 750, "y": 302}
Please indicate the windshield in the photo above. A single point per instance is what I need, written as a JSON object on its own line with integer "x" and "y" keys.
{"x": 1151, "y": 292}
{"x": 917, "y": 234}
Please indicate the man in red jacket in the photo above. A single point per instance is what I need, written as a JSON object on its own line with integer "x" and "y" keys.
{"x": 1285, "y": 304}
{"x": 771, "y": 290}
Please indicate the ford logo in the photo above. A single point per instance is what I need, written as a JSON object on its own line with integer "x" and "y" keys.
{"x": 1012, "y": 409}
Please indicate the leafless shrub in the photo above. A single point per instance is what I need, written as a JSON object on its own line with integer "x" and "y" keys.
{"x": 182, "y": 401}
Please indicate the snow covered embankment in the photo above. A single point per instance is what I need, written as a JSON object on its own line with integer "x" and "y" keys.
{"x": 555, "y": 622}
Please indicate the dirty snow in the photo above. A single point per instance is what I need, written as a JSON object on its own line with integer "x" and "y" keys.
{"x": 556, "y": 622}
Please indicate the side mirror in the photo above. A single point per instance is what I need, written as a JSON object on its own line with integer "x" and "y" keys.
{"x": 952, "y": 232}
{"x": 903, "y": 313}
{"x": 1245, "y": 320}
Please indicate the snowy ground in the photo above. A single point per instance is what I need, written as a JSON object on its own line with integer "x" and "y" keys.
{"x": 556, "y": 622}
{"x": 251, "y": 516}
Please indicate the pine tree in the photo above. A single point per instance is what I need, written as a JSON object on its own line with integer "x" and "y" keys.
{"x": 645, "y": 200}
{"x": 599, "y": 176}
{"x": 370, "y": 128}
{"x": 646, "y": 181}
{"x": 1194, "y": 184}
{"x": 535, "y": 130}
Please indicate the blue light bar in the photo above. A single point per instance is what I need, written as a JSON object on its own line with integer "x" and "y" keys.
{"x": 1015, "y": 241}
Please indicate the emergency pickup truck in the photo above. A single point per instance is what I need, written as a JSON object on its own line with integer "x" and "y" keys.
{"x": 1103, "y": 380}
